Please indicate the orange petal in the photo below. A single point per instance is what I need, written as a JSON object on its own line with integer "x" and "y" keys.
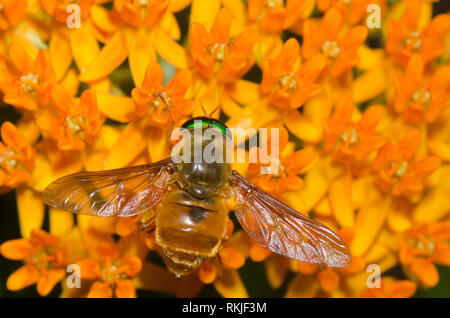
{"x": 125, "y": 289}
{"x": 23, "y": 277}
{"x": 328, "y": 279}
{"x": 141, "y": 54}
{"x": 133, "y": 264}
{"x": 232, "y": 258}
{"x": 110, "y": 57}
{"x": 15, "y": 249}
{"x": 100, "y": 290}
{"x": 47, "y": 281}
{"x": 207, "y": 273}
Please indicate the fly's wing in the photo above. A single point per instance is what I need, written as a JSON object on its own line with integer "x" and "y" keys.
{"x": 283, "y": 230}
{"x": 119, "y": 192}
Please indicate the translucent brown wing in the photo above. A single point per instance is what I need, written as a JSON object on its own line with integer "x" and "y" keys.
{"x": 283, "y": 230}
{"x": 119, "y": 192}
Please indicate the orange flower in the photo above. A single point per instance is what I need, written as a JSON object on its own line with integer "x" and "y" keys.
{"x": 353, "y": 10}
{"x": 282, "y": 172}
{"x": 12, "y": 12}
{"x": 419, "y": 100}
{"x": 405, "y": 39}
{"x": 74, "y": 122}
{"x": 291, "y": 87}
{"x": 28, "y": 82}
{"x": 215, "y": 53}
{"x": 390, "y": 288}
{"x": 145, "y": 11}
{"x": 326, "y": 38}
{"x": 276, "y": 16}
{"x": 111, "y": 273}
{"x": 16, "y": 157}
{"x": 352, "y": 141}
{"x": 44, "y": 259}
{"x": 424, "y": 245}
{"x": 58, "y": 8}
{"x": 162, "y": 104}
{"x": 394, "y": 165}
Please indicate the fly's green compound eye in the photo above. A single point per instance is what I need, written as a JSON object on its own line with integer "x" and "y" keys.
{"x": 206, "y": 122}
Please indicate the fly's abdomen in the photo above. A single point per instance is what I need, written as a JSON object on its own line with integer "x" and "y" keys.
{"x": 188, "y": 230}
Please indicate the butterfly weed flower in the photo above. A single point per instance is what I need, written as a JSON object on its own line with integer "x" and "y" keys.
{"x": 110, "y": 272}
{"x": 162, "y": 104}
{"x": 352, "y": 141}
{"x": 418, "y": 98}
{"x": 423, "y": 246}
{"x": 16, "y": 157}
{"x": 405, "y": 37}
{"x": 45, "y": 260}
{"x": 74, "y": 122}
{"x": 214, "y": 52}
{"x": 328, "y": 39}
{"x": 395, "y": 167}
{"x": 288, "y": 86}
{"x": 27, "y": 83}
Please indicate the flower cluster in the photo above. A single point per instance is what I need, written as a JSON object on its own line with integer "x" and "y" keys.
{"x": 361, "y": 99}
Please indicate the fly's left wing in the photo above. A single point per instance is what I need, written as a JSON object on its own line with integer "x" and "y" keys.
{"x": 283, "y": 230}
{"x": 118, "y": 192}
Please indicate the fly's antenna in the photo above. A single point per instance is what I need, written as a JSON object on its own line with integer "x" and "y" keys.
{"x": 203, "y": 109}
{"x": 215, "y": 109}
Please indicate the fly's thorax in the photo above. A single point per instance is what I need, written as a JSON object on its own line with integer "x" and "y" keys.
{"x": 203, "y": 169}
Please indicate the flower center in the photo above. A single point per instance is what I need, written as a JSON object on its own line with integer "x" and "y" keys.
{"x": 274, "y": 3}
{"x": 142, "y": 3}
{"x": 73, "y": 124}
{"x": 352, "y": 135}
{"x": 401, "y": 169}
{"x": 290, "y": 81}
{"x": 426, "y": 244}
{"x": 29, "y": 82}
{"x": 414, "y": 42}
{"x": 7, "y": 157}
{"x": 43, "y": 258}
{"x": 421, "y": 96}
{"x": 275, "y": 168}
{"x": 331, "y": 49}
{"x": 219, "y": 50}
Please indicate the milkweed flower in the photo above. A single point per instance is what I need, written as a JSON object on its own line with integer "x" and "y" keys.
{"x": 405, "y": 39}
{"x": 326, "y": 38}
{"x": 352, "y": 141}
{"x": 353, "y": 11}
{"x": 16, "y": 157}
{"x": 281, "y": 173}
{"x": 45, "y": 260}
{"x": 394, "y": 166}
{"x": 74, "y": 122}
{"x": 110, "y": 272}
{"x": 27, "y": 84}
{"x": 288, "y": 86}
{"x": 160, "y": 104}
{"x": 423, "y": 246}
{"x": 418, "y": 99}
{"x": 214, "y": 52}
